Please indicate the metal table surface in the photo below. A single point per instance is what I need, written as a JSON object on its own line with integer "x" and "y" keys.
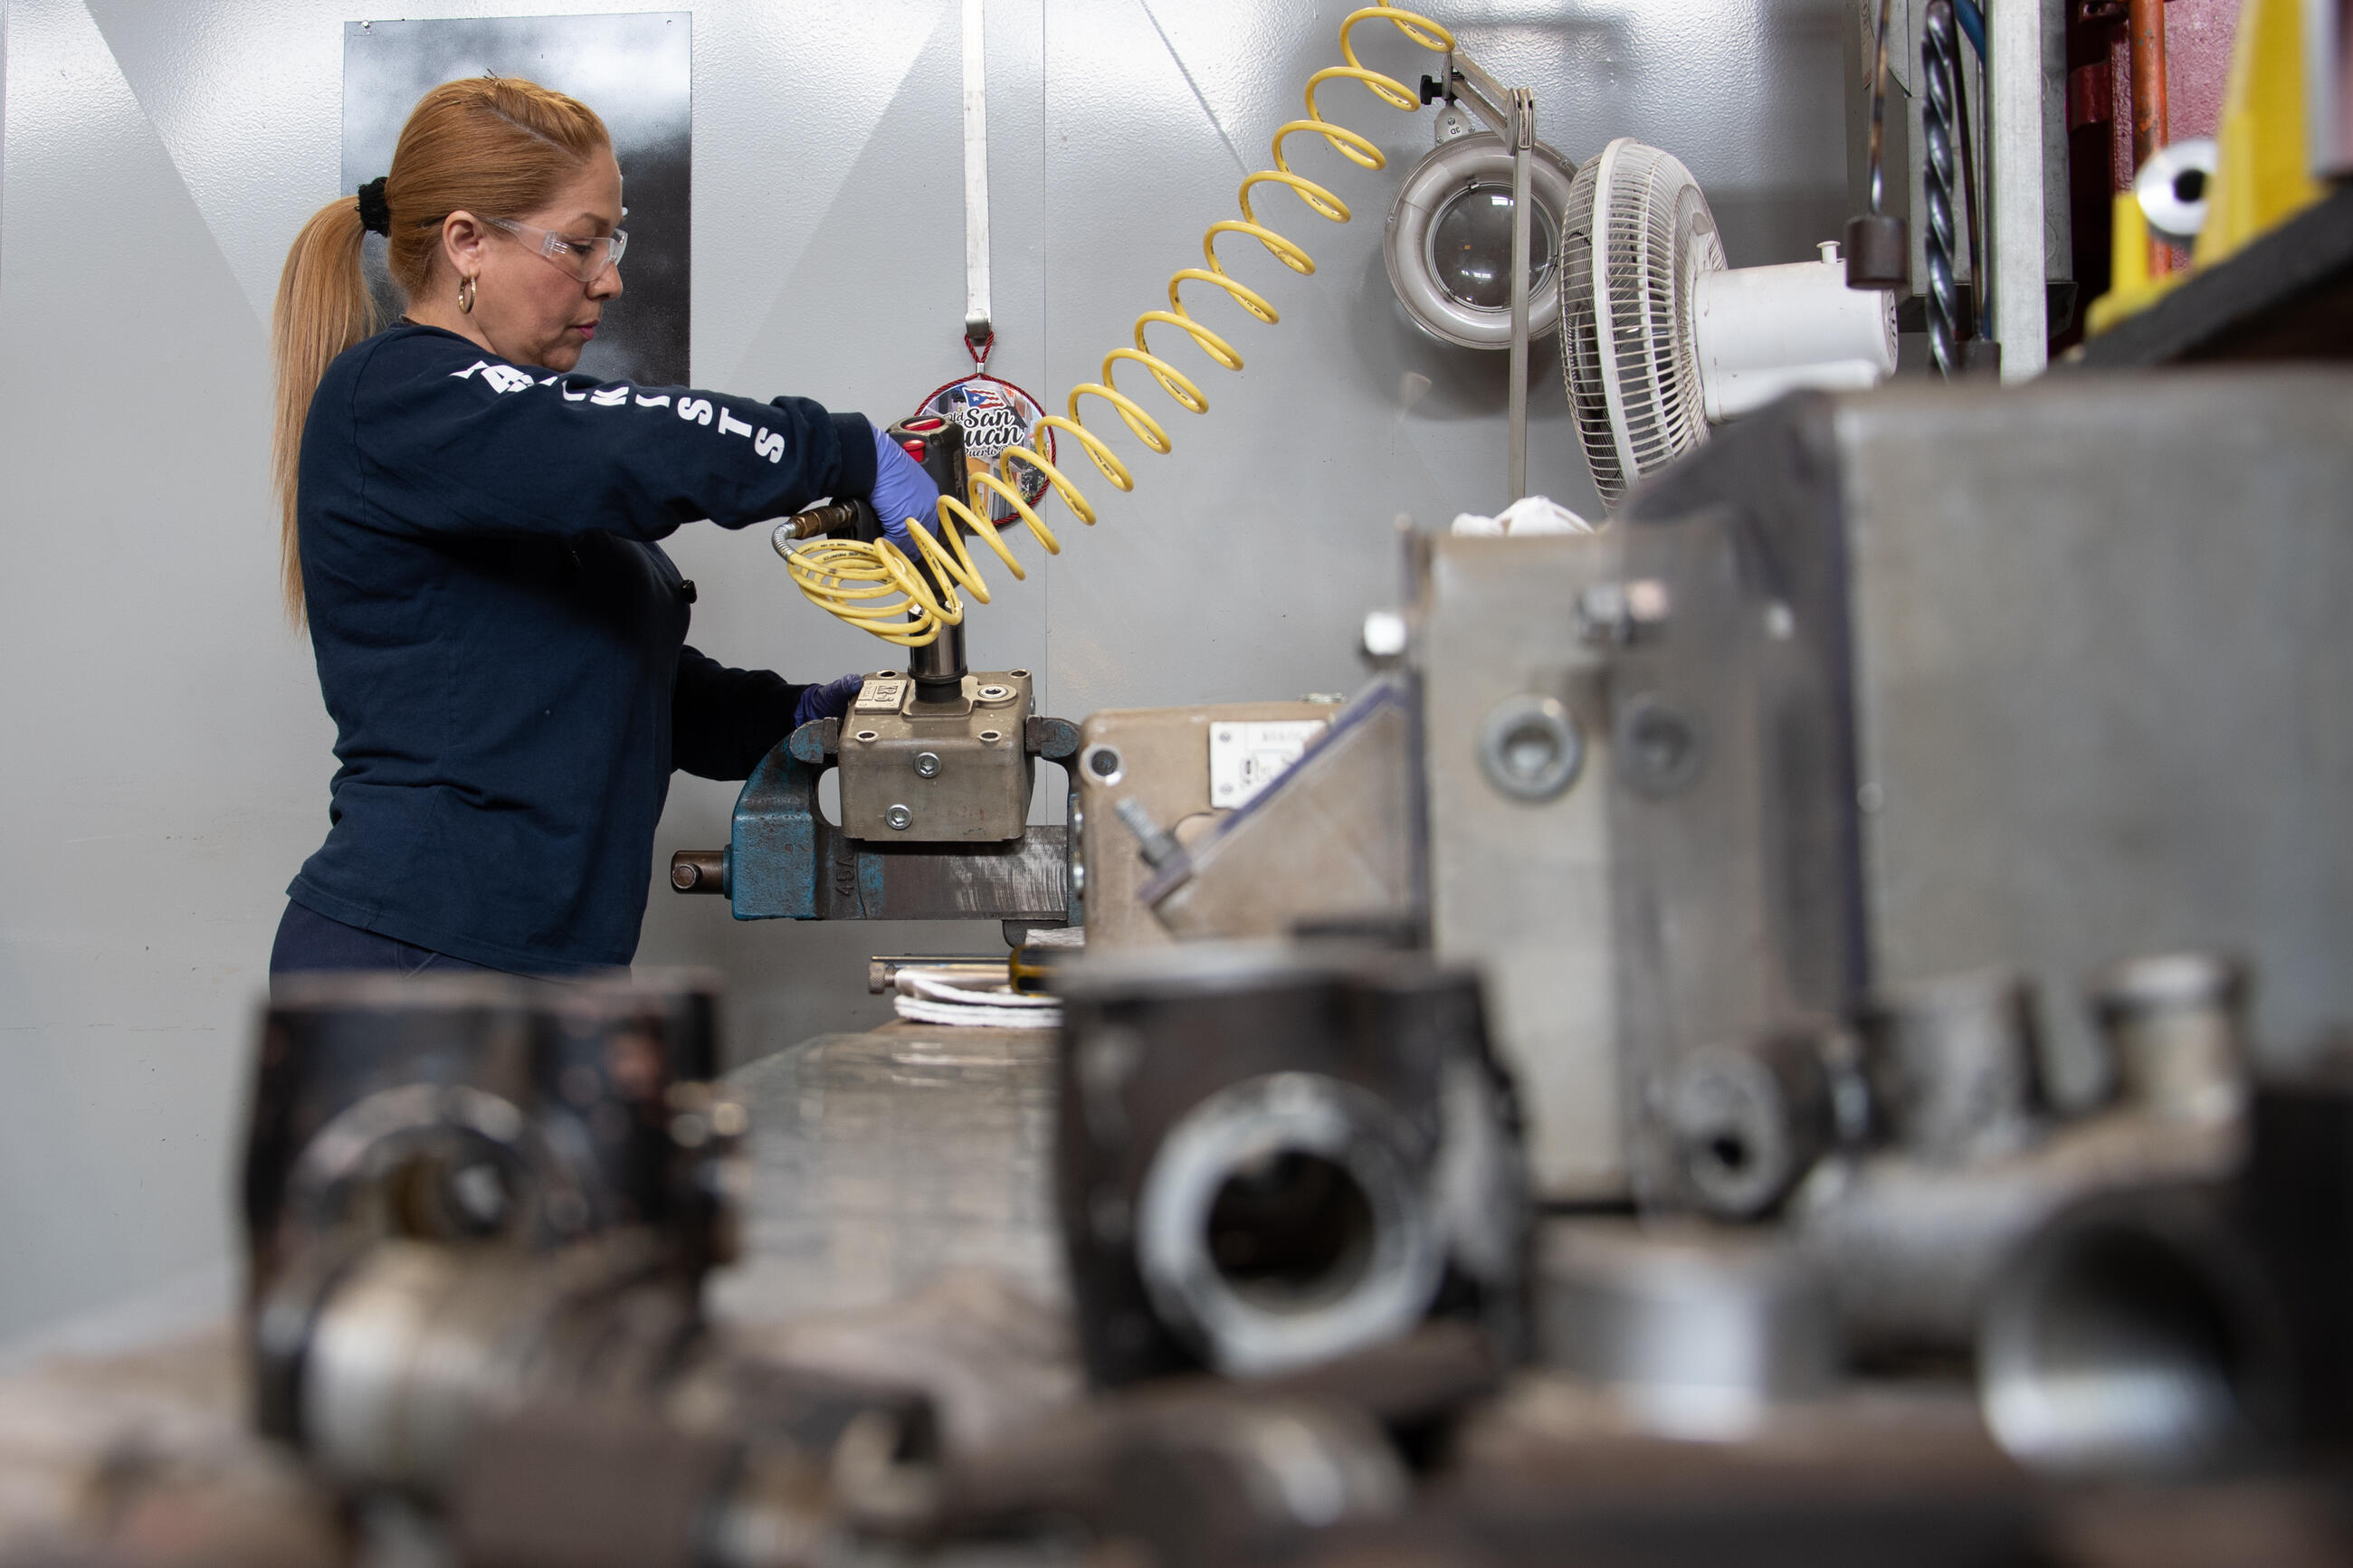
{"x": 883, "y": 1161}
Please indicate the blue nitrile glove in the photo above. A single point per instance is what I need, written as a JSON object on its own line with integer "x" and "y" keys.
{"x": 901, "y": 491}
{"x": 831, "y": 700}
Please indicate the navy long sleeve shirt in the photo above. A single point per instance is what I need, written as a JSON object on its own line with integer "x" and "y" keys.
{"x": 500, "y": 640}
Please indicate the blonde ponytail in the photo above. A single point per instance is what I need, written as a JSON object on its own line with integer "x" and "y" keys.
{"x": 324, "y": 308}
{"x": 493, "y": 146}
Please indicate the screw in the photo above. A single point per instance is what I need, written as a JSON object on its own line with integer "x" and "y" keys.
{"x": 1660, "y": 748}
{"x": 1530, "y": 748}
{"x": 1156, "y": 844}
{"x": 927, "y": 764}
{"x": 900, "y": 819}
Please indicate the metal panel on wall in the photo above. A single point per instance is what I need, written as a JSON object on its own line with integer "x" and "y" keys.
{"x": 636, "y": 71}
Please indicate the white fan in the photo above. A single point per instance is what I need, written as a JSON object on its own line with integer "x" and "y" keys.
{"x": 1660, "y": 339}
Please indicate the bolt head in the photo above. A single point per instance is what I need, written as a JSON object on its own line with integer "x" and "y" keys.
{"x": 900, "y": 819}
{"x": 927, "y": 764}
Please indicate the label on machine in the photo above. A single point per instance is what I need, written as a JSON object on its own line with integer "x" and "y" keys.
{"x": 1247, "y": 756}
{"x": 881, "y": 694}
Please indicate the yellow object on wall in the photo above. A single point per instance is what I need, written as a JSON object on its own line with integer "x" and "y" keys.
{"x": 2263, "y": 178}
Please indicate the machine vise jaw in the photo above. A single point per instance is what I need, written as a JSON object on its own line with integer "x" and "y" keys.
{"x": 785, "y": 861}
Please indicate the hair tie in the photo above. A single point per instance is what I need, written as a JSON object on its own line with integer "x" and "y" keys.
{"x": 376, "y": 213}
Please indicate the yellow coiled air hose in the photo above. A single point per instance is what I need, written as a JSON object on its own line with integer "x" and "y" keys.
{"x": 877, "y": 588}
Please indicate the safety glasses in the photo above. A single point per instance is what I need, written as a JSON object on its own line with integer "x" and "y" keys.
{"x": 584, "y": 257}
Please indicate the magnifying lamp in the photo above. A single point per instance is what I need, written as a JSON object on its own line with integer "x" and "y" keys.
{"x": 1449, "y": 241}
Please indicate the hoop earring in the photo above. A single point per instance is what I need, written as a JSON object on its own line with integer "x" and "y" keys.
{"x": 466, "y": 295}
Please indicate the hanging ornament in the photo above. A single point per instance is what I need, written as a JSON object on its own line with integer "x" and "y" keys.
{"x": 995, "y": 414}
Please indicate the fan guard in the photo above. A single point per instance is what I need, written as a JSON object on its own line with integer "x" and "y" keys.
{"x": 1637, "y": 236}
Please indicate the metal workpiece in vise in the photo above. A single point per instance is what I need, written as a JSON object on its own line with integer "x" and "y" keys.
{"x": 785, "y": 861}
{"x": 937, "y": 766}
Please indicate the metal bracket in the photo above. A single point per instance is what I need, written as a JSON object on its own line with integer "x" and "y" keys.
{"x": 1467, "y": 83}
{"x": 1510, "y": 114}
{"x": 1522, "y": 139}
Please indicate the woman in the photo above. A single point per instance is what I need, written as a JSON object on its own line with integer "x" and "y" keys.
{"x": 471, "y": 530}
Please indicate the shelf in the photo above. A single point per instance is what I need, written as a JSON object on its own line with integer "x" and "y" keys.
{"x": 2288, "y": 296}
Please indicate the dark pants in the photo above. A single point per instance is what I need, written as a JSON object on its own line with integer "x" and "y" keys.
{"x": 308, "y": 940}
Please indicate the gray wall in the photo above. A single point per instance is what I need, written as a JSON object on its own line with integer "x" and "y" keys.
{"x": 163, "y": 757}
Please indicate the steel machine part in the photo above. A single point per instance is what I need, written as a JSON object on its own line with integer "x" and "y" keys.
{"x": 1183, "y": 771}
{"x": 1749, "y": 1121}
{"x": 1630, "y": 823}
{"x": 523, "y": 1395}
{"x": 1824, "y": 705}
{"x": 380, "y": 1365}
{"x": 1512, "y": 675}
{"x": 483, "y": 1108}
{"x": 1997, "y": 695}
{"x": 1918, "y": 1236}
{"x": 1698, "y": 1330}
{"x": 2191, "y": 1327}
{"x": 950, "y": 769}
{"x": 1955, "y": 1065}
{"x": 458, "y": 1188}
{"x": 1327, "y": 841}
{"x": 1270, "y": 1158}
{"x": 2175, "y": 1027}
{"x": 2138, "y": 1335}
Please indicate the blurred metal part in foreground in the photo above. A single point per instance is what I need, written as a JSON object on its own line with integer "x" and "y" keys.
{"x": 1273, "y": 1156}
{"x": 2135, "y": 1335}
{"x": 1955, "y": 1065}
{"x": 1915, "y": 1236}
{"x": 1699, "y": 1330}
{"x": 382, "y": 1373}
{"x": 2176, "y": 1026}
{"x": 1751, "y": 1119}
{"x": 479, "y": 1108}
